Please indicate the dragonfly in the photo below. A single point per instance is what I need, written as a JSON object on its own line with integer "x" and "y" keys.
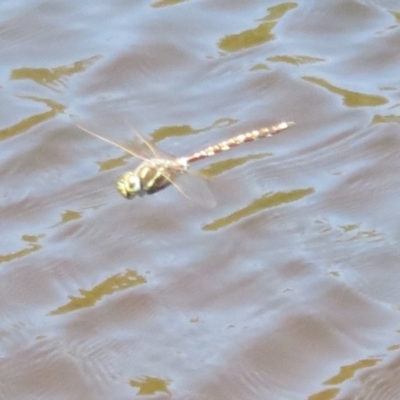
{"x": 159, "y": 170}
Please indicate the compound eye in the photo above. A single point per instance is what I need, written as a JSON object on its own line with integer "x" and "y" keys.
{"x": 129, "y": 185}
{"x": 134, "y": 184}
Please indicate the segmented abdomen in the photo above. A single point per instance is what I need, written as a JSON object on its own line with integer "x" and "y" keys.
{"x": 237, "y": 140}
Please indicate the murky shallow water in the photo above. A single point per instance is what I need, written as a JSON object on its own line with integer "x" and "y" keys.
{"x": 288, "y": 289}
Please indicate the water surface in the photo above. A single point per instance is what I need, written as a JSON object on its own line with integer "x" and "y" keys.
{"x": 288, "y": 289}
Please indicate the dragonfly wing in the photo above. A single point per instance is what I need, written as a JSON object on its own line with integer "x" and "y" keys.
{"x": 190, "y": 183}
{"x": 194, "y": 187}
{"x": 136, "y": 146}
{"x": 149, "y": 149}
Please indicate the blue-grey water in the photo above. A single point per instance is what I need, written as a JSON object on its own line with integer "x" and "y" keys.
{"x": 287, "y": 289}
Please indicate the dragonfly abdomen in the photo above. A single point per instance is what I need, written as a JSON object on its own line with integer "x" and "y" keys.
{"x": 238, "y": 140}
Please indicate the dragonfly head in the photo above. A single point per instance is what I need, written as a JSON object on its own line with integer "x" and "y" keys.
{"x": 129, "y": 185}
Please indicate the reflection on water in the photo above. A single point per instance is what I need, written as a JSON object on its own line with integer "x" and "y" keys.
{"x": 150, "y": 386}
{"x": 261, "y": 34}
{"x": 111, "y": 285}
{"x": 32, "y": 246}
{"x": 266, "y": 201}
{"x": 34, "y": 120}
{"x": 53, "y": 78}
{"x": 350, "y": 99}
{"x": 288, "y": 289}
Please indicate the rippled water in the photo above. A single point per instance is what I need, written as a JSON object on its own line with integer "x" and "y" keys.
{"x": 288, "y": 289}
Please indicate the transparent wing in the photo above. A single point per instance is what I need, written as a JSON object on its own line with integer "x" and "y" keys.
{"x": 148, "y": 149}
{"x": 190, "y": 183}
{"x": 137, "y": 147}
{"x": 193, "y": 185}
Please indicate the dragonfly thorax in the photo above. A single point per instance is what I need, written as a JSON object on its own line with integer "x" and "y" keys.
{"x": 150, "y": 176}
